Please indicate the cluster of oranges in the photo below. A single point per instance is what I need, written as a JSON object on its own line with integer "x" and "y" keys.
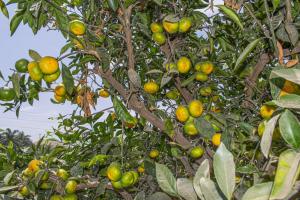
{"x": 171, "y": 26}
{"x": 46, "y": 68}
{"x": 35, "y": 169}
{"x": 121, "y": 180}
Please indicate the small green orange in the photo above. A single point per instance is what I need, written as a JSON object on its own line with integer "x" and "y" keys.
{"x": 21, "y": 65}
{"x": 117, "y": 184}
{"x": 154, "y": 153}
{"x": 34, "y": 70}
{"x": 196, "y": 152}
{"x": 7, "y": 94}
{"x": 190, "y": 128}
{"x": 159, "y": 38}
{"x": 185, "y": 24}
{"x": 51, "y": 77}
{"x": 127, "y": 179}
{"x": 77, "y": 27}
{"x": 200, "y": 76}
{"x": 205, "y": 91}
{"x": 156, "y": 27}
{"x": 114, "y": 172}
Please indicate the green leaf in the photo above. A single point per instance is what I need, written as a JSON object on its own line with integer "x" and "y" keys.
{"x": 188, "y": 80}
{"x": 15, "y": 22}
{"x": 8, "y": 188}
{"x": 275, "y": 4}
{"x": 68, "y": 79}
{"x": 288, "y": 101}
{"x": 159, "y": 196}
{"x": 140, "y": 196}
{"x": 290, "y": 129}
{"x": 16, "y": 83}
{"x": 203, "y": 171}
{"x": 4, "y": 9}
{"x": 122, "y": 112}
{"x": 260, "y": 191}
{"x": 231, "y": 14}
{"x": 185, "y": 189}
{"x": 266, "y": 140}
{"x": 209, "y": 189}
{"x": 65, "y": 48}
{"x": 166, "y": 180}
{"x": 204, "y": 127}
{"x": 288, "y": 74}
{"x": 113, "y": 4}
{"x": 8, "y": 177}
{"x": 34, "y": 55}
{"x": 224, "y": 170}
{"x": 244, "y": 55}
{"x": 286, "y": 174}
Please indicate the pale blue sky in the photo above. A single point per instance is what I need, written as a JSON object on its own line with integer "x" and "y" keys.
{"x": 33, "y": 120}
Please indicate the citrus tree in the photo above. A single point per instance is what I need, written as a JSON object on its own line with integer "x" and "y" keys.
{"x": 205, "y": 106}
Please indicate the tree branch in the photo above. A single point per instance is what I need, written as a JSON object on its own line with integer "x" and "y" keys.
{"x": 135, "y": 104}
{"x": 264, "y": 59}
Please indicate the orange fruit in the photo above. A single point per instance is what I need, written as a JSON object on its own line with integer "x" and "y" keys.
{"x": 206, "y": 67}
{"x": 184, "y": 65}
{"x": 24, "y": 191}
{"x": 21, "y": 65}
{"x": 77, "y": 27}
{"x": 34, "y": 70}
{"x": 172, "y": 94}
{"x": 159, "y": 38}
{"x": 63, "y": 174}
{"x": 60, "y": 90}
{"x": 267, "y": 111}
{"x": 154, "y": 154}
{"x": 114, "y": 172}
{"x": 185, "y": 24}
{"x": 70, "y": 197}
{"x": 34, "y": 165}
{"x": 7, "y": 94}
{"x": 151, "y": 87}
{"x": 48, "y": 65}
{"x": 141, "y": 169}
{"x": 71, "y": 187}
{"x": 216, "y": 139}
{"x": 182, "y": 113}
{"x": 190, "y": 128}
{"x": 156, "y": 27}
{"x": 196, "y": 152}
{"x": 205, "y": 91}
{"x": 117, "y": 184}
{"x": 127, "y": 179}
{"x": 103, "y": 93}
{"x": 49, "y": 78}
{"x": 195, "y": 108}
{"x": 170, "y": 27}
{"x": 200, "y": 76}
{"x": 59, "y": 99}
{"x": 289, "y": 88}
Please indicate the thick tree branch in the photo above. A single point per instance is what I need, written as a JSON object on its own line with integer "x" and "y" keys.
{"x": 135, "y": 104}
{"x": 264, "y": 59}
{"x": 183, "y": 91}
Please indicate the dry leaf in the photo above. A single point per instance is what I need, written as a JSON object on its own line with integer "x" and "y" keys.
{"x": 292, "y": 63}
{"x": 280, "y": 53}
